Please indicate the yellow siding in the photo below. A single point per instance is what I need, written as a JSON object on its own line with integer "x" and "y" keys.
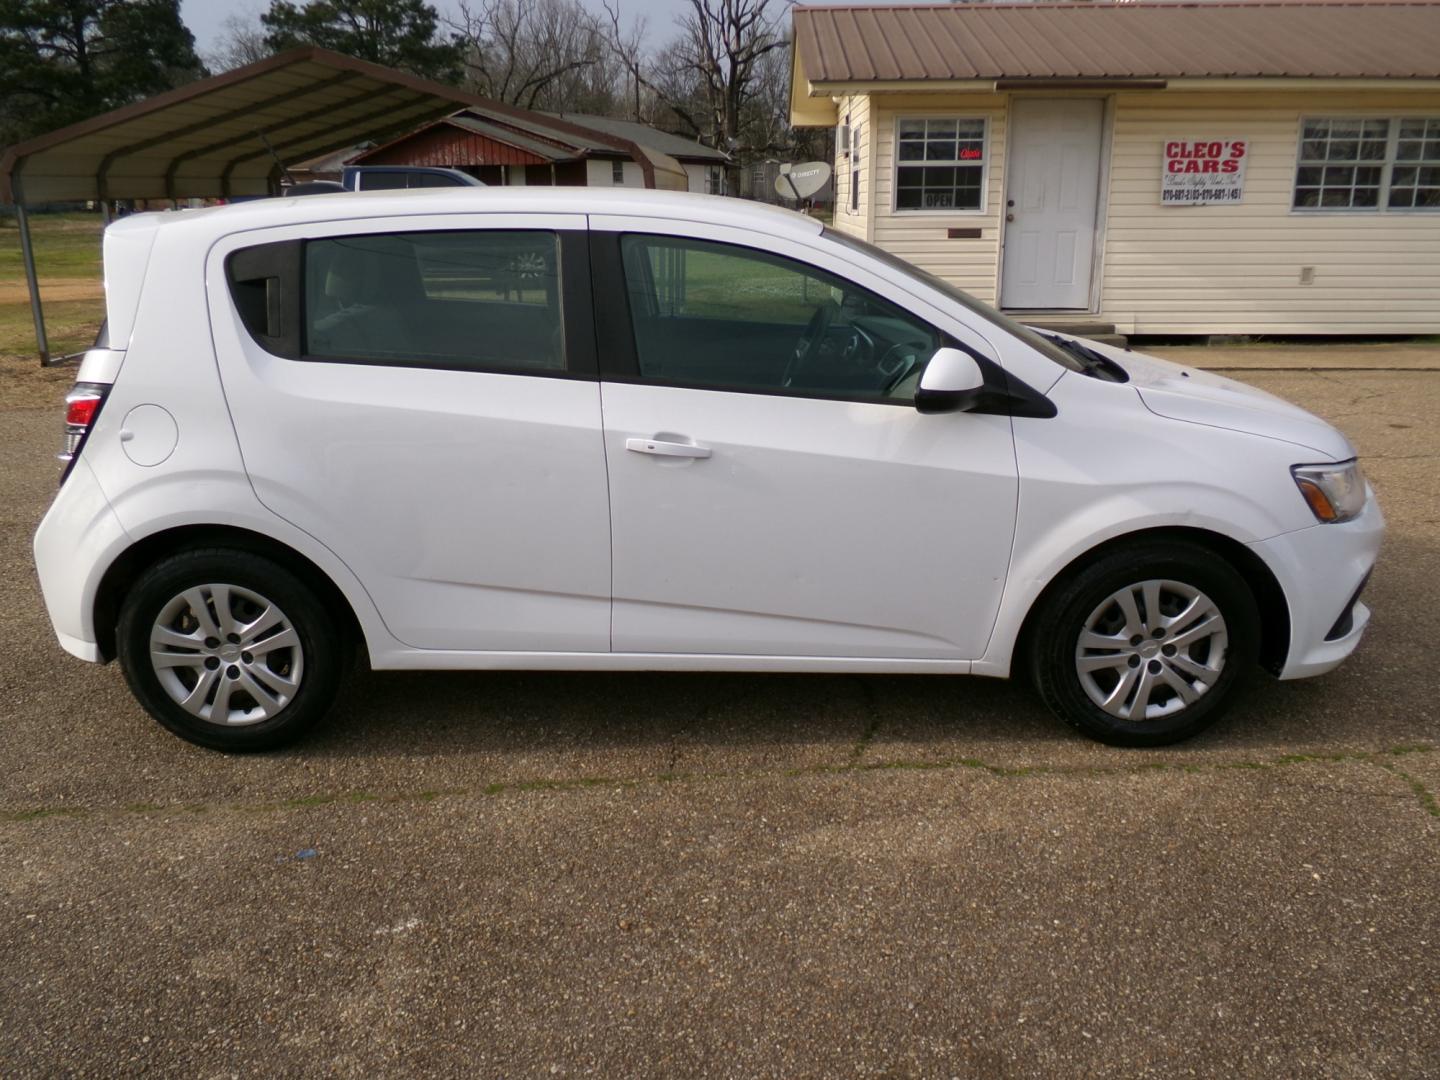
{"x": 857, "y": 224}
{"x": 921, "y": 237}
{"x": 1200, "y": 270}
{"x": 1236, "y": 269}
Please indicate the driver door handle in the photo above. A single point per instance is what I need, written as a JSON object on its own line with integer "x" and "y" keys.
{"x": 667, "y": 449}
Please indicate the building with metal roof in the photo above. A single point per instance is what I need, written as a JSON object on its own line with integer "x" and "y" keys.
{"x": 1262, "y": 167}
{"x": 511, "y": 148}
{"x": 235, "y": 134}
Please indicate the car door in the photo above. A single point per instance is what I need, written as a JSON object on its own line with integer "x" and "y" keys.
{"x": 773, "y": 491}
{"x": 420, "y": 395}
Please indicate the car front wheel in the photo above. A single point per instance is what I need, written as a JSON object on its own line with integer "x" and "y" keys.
{"x": 1147, "y": 645}
{"x": 229, "y": 650}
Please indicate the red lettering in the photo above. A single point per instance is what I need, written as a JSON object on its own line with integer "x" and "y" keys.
{"x": 1192, "y": 166}
{"x": 1174, "y": 149}
{"x": 1214, "y": 150}
{"x": 1230, "y": 166}
{"x": 1175, "y": 166}
{"x": 1237, "y": 149}
{"x": 1211, "y": 166}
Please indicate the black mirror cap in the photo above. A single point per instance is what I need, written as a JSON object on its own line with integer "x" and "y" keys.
{"x": 1002, "y": 395}
{"x": 947, "y": 401}
{"x": 998, "y": 394}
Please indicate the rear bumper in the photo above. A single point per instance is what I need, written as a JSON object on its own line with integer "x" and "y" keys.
{"x": 1321, "y": 570}
{"x": 77, "y": 540}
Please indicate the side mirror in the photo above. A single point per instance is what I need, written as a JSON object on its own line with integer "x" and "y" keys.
{"x": 951, "y": 382}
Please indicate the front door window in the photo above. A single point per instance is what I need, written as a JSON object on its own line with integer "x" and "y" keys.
{"x": 732, "y": 318}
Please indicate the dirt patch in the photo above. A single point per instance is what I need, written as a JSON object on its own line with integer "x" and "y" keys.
{"x": 71, "y": 324}
{"x": 24, "y": 384}
{"x": 1422, "y": 355}
{"x": 15, "y": 292}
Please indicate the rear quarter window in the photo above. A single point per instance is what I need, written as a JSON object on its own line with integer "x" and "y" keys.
{"x": 264, "y": 286}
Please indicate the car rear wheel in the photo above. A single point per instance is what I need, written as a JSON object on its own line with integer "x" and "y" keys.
{"x": 229, "y": 650}
{"x": 1147, "y": 645}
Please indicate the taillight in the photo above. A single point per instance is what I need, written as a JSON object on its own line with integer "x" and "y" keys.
{"x": 82, "y": 406}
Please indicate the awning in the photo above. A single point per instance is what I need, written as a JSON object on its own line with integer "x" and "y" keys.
{"x": 228, "y": 135}
{"x": 214, "y": 138}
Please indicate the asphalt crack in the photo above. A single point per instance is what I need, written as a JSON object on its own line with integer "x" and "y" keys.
{"x": 1428, "y": 802}
{"x": 872, "y": 723}
{"x": 1384, "y": 759}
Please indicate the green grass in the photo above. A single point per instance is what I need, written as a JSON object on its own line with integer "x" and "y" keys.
{"x": 719, "y": 286}
{"x": 66, "y": 246}
{"x": 67, "y": 258}
{"x": 70, "y": 324}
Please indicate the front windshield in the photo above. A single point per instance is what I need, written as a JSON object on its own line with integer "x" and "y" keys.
{"x": 1041, "y": 344}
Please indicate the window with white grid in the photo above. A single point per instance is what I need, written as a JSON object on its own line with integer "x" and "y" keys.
{"x": 940, "y": 163}
{"x": 1368, "y": 164}
{"x": 1415, "y": 176}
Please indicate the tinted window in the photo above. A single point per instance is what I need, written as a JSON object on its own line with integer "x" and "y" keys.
{"x": 264, "y": 287}
{"x": 1040, "y": 344}
{"x": 383, "y": 181}
{"x": 727, "y": 317}
{"x": 483, "y": 300}
{"x": 429, "y": 180}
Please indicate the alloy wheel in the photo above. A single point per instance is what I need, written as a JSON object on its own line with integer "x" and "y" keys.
{"x": 1151, "y": 649}
{"x": 226, "y": 654}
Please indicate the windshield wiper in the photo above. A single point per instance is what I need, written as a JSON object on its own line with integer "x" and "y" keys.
{"x": 1093, "y": 363}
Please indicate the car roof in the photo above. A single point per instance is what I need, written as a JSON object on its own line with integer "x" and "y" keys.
{"x": 356, "y": 206}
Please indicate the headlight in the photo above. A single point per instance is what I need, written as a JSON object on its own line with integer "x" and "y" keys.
{"x": 1334, "y": 493}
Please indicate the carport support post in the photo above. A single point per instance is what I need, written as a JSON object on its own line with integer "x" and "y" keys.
{"x": 27, "y": 255}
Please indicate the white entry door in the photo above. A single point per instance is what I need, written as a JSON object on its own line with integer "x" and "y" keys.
{"x": 1051, "y": 202}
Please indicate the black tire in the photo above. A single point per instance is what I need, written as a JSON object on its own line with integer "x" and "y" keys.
{"x": 1054, "y": 638}
{"x": 321, "y": 662}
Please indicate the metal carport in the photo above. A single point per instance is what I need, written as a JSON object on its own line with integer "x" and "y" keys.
{"x": 214, "y": 138}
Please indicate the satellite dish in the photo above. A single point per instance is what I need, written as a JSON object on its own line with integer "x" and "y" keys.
{"x": 801, "y": 181}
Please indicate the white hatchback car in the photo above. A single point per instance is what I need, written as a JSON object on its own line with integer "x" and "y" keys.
{"x": 612, "y": 430}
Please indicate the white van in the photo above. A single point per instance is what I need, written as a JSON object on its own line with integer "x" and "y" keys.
{"x": 629, "y": 430}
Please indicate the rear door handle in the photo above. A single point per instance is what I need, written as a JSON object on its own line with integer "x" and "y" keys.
{"x": 667, "y": 449}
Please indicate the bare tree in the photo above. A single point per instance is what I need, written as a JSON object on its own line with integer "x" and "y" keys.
{"x": 724, "y": 42}
{"x": 241, "y": 42}
{"x": 766, "y": 115}
{"x": 546, "y": 54}
{"x": 709, "y": 76}
{"x": 627, "y": 50}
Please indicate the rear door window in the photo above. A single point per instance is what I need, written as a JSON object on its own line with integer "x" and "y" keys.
{"x": 475, "y": 300}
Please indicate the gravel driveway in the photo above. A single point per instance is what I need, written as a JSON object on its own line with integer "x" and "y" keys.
{"x": 732, "y": 875}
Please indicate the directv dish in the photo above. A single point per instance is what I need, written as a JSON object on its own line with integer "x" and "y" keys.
{"x": 802, "y": 181}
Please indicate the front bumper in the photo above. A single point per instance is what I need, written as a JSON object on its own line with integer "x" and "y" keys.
{"x": 1321, "y": 569}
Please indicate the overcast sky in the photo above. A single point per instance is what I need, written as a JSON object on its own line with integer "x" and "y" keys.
{"x": 205, "y": 18}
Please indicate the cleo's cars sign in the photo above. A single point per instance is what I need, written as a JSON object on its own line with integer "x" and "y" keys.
{"x": 1203, "y": 172}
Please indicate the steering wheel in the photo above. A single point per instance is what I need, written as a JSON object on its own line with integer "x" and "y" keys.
{"x": 810, "y": 340}
{"x": 897, "y": 363}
